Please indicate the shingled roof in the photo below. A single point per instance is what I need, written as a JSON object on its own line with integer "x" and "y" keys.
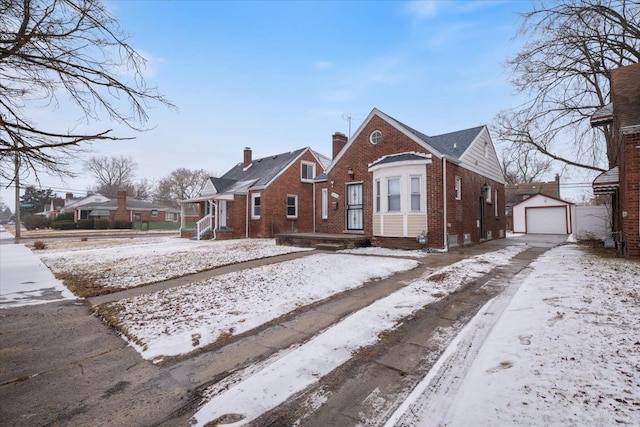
{"x": 452, "y": 144}
{"x": 263, "y": 171}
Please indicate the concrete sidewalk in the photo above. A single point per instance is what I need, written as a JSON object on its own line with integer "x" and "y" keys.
{"x": 24, "y": 279}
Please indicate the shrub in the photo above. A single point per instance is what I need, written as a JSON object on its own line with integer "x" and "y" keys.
{"x": 64, "y": 225}
{"x": 101, "y": 224}
{"x": 122, "y": 224}
{"x": 39, "y": 245}
{"x": 85, "y": 224}
{"x": 67, "y": 216}
{"x": 31, "y": 222}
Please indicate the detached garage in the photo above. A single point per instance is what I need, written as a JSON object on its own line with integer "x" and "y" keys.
{"x": 541, "y": 214}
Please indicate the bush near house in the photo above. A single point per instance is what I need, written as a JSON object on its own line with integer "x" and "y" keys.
{"x": 101, "y": 224}
{"x": 63, "y": 225}
{"x": 122, "y": 225}
{"x": 68, "y": 216}
{"x": 31, "y": 222}
{"x": 85, "y": 224}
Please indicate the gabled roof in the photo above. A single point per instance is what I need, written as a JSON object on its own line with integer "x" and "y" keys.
{"x": 625, "y": 93}
{"x": 603, "y": 115}
{"x": 515, "y": 193}
{"x": 263, "y": 171}
{"x": 452, "y": 144}
{"x": 544, "y": 195}
{"x": 221, "y": 184}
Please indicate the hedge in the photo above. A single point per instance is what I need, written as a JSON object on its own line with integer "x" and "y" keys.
{"x": 85, "y": 224}
{"x": 122, "y": 225}
{"x": 64, "y": 225}
{"x": 101, "y": 224}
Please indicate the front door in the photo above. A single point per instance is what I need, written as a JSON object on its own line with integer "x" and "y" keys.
{"x": 354, "y": 207}
{"x": 222, "y": 220}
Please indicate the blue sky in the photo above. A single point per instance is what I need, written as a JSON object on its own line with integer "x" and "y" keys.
{"x": 276, "y": 76}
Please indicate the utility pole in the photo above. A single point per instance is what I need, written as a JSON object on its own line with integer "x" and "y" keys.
{"x": 16, "y": 181}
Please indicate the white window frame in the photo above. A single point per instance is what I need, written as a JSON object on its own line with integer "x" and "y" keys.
{"x": 302, "y": 168}
{"x": 325, "y": 203}
{"x": 154, "y": 213}
{"x": 295, "y": 206}
{"x": 255, "y": 196}
{"x": 377, "y": 202}
{"x": 412, "y": 194}
{"x": 489, "y": 194}
{"x": 458, "y": 188}
{"x": 495, "y": 200}
{"x": 399, "y": 195}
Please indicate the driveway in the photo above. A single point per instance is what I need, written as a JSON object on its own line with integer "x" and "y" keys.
{"x": 61, "y": 365}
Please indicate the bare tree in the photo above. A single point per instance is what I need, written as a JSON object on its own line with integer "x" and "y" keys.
{"x": 523, "y": 164}
{"x": 181, "y": 184}
{"x": 112, "y": 174}
{"x": 564, "y": 67}
{"x": 75, "y": 48}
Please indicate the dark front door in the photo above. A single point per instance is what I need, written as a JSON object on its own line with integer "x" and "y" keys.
{"x": 354, "y": 207}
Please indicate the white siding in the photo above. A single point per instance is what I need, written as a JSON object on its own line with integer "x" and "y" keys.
{"x": 474, "y": 158}
{"x": 393, "y": 225}
{"x": 416, "y": 224}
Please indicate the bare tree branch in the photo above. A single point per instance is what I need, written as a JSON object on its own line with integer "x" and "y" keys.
{"x": 564, "y": 67}
{"x": 73, "y": 47}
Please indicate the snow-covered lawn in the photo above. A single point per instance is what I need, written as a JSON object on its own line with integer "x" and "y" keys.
{"x": 125, "y": 263}
{"x": 179, "y": 320}
{"x": 291, "y": 371}
{"x": 565, "y": 352}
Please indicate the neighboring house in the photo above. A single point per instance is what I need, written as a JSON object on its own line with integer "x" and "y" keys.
{"x": 81, "y": 206}
{"x": 516, "y": 193}
{"x": 623, "y": 181}
{"x": 259, "y": 198}
{"x": 542, "y": 214}
{"x": 122, "y": 208}
{"x": 405, "y": 189}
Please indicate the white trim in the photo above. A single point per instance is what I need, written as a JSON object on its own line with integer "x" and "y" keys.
{"x": 313, "y": 170}
{"x": 255, "y": 196}
{"x": 325, "y": 203}
{"x": 458, "y": 188}
{"x": 295, "y": 206}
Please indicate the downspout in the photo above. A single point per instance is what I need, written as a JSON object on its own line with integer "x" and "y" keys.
{"x": 314, "y": 206}
{"x": 444, "y": 201}
{"x": 246, "y": 218}
{"x": 214, "y": 205}
{"x": 182, "y": 221}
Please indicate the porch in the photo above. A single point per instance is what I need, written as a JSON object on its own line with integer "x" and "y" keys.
{"x": 331, "y": 242}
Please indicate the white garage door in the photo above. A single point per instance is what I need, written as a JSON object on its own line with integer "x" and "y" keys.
{"x": 551, "y": 220}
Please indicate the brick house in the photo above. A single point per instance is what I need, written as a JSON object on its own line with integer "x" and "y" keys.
{"x": 623, "y": 181}
{"x": 409, "y": 190}
{"x": 259, "y": 198}
{"x": 122, "y": 208}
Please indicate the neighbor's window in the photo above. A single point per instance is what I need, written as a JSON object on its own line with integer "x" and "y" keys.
{"x": 154, "y": 213}
{"x": 415, "y": 194}
{"x": 255, "y": 206}
{"x": 325, "y": 203}
{"x": 292, "y": 206}
{"x": 458, "y": 188}
{"x": 495, "y": 202}
{"x": 393, "y": 195}
{"x": 308, "y": 171}
{"x": 377, "y": 195}
{"x": 489, "y": 193}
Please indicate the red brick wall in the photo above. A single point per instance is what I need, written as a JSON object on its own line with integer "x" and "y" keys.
{"x": 462, "y": 215}
{"x": 273, "y": 216}
{"x": 630, "y": 192}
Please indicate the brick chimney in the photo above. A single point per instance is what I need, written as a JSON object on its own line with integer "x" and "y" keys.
{"x": 121, "y": 213}
{"x": 339, "y": 141}
{"x": 68, "y": 196}
{"x": 247, "y": 156}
